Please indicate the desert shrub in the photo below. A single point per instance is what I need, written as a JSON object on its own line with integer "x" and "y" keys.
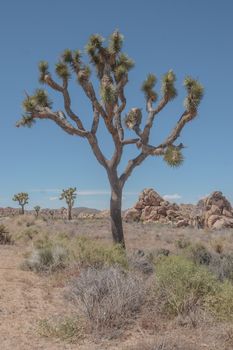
{"x": 47, "y": 259}
{"x": 141, "y": 262}
{"x": 91, "y": 253}
{"x": 108, "y": 297}
{"x": 28, "y": 234}
{"x": 218, "y": 245}
{"x": 221, "y": 302}
{"x": 182, "y": 285}
{"x": 5, "y": 237}
{"x": 30, "y": 222}
{"x": 67, "y": 329}
{"x": 182, "y": 243}
{"x": 222, "y": 266}
{"x": 199, "y": 254}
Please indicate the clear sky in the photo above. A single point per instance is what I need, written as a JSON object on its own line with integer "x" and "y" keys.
{"x": 193, "y": 37}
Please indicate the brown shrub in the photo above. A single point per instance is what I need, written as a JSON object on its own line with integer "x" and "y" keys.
{"x": 109, "y": 298}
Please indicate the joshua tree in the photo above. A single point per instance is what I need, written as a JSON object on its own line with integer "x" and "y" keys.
{"x": 112, "y": 67}
{"x": 51, "y": 213}
{"x": 22, "y": 198}
{"x": 37, "y": 210}
{"x": 69, "y": 195}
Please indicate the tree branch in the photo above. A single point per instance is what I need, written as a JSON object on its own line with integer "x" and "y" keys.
{"x": 67, "y": 102}
{"x": 46, "y": 113}
{"x": 130, "y": 167}
{"x": 130, "y": 141}
{"x": 97, "y": 151}
{"x": 184, "y": 119}
{"x": 150, "y": 119}
{"x": 95, "y": 122}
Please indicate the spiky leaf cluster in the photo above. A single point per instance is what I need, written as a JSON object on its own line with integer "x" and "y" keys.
{"x": 69, "y": 195}
{"x": 22, "y": 198}
{"x": 122, "y": 66}
{"x": 173, "y": 156}
{"x": 32, "y": 104}
{"x": 147, "y": 87}
{"x": 73, "y": 58}
{"x": 115, "y": 42}
{"x": 37, "y": 208}
{"x": 39, "y": 99}
{"x": 108, "y": 93}
{"x": 84, "y": 74}
{"x": 107, "y": 90}
{"x": 29, "y": 104}
{"x": 62, "y": 70}
{"x": 26, "y": 120}
{"x": 195, "y": 92}
{"x": 43, "y": 71}
{"x": 168, "y": 87}
{"x": 133, "y": 118}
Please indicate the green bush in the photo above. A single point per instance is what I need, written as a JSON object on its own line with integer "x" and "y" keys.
{"x": 182, "y": 284}
{"x": 90, "y": 253}
{"x": 199, "y": 254}
{"x": 221, "y": 302}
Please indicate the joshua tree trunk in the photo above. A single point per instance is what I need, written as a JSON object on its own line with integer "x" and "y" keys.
{"x": 69, "y": 213}
{"x": 22, "y": 209}
{"x": 115, "y": 215}
{"x": 115, "y": 206}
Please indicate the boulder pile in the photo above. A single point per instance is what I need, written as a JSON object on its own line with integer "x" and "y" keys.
{"x": 152, "y": 207}
{"x": 212, "y": 212}
{"x": 217, "y": 212}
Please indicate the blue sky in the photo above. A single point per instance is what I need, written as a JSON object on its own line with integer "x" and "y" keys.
{"x": 191, "y": 37}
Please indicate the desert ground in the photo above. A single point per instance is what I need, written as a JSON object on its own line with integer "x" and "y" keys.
{"x": 36, "y": 313}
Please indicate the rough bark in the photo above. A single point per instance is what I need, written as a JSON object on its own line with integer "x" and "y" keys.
{"x": 22, "y": 209}
{"x": 115, "y": 215}
{"x": 69, "y": 213}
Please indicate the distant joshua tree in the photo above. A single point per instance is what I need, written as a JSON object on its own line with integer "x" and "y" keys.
{"x": 37, "y": 210}
{"x": 51, "y": 213}
{"x": 22, "y": 198}
{"x": 112, "y": 67}
{"x": 69, "y": 195}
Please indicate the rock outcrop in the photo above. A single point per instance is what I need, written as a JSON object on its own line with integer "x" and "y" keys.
{"x": 217, "y": 212}
{"x": 212, "y": 212}
{"x": 152, "y": 207}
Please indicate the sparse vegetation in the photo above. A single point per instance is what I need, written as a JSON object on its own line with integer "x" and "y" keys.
{"x": 170, "y": 282}
{"x": 163, "y": 344}
{"x": 67, "y": 329}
